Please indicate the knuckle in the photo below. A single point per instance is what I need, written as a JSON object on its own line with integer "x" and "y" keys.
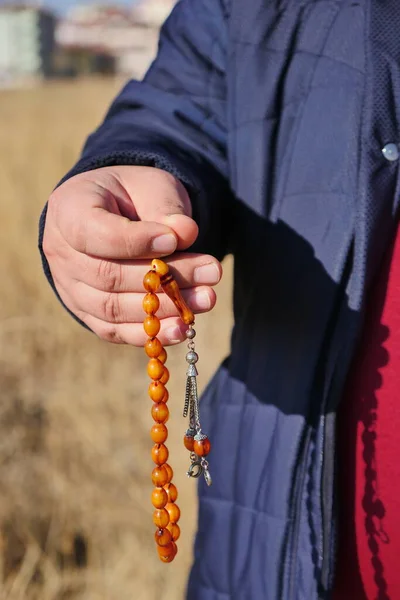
{"x": 109, "y": 275}
{"x": 130, "y": 246}
{"x": 110, "y": 333}
{"x": 133, "y": 244}
{"x": 111, "y": 308}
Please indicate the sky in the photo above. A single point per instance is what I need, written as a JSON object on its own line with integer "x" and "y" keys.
{"x": 63, "y": 5}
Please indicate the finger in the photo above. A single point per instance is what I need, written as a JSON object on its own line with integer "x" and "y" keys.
{"x": 189, "y": 270}
{"x": 173, "y": 331}
{"x": 128, "y": 307}
{"x": 185, "y": 228}
{"x": 100, "y": 233}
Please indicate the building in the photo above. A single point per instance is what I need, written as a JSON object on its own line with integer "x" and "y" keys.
{"x": 130, "y": 36}
{"x": 152, "y": 12}
{"x": 27, "y": 38}
{"x": 74, "y": 61}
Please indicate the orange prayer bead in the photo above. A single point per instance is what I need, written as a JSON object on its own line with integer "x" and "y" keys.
{"x": 172, "y": 492}
{"x": 157, "y": 391}
{"x": 165, "y": 376}
{"x": 174, "y": 530}
{"x": 163, "y": 355}
{"x": 155, "y": 369}
{"x": 167, "y": 553}
{"x": 203, "y": 447}
{"x": 159, "y": 497}
{"x": 165, "y": 398}
{"x": 188, "y": 441}
{"x": 173, "y": 511}
{"x": 160, "y": 267}
{"x": 163, "y": 537}
{"x": 175, "y": 548}
{"x": 167, "y": 559}
{"x": 153, "y": 348}
{"x": 159, "y": 454}
{"x": 151, "y": 325}
{"x": 151, "y": 281}
{"x": 161, "y": 518}
{"x": 160, "y": 412}
{"x": 151, "y": 303}
{"x": 170, "y": 472}
{"x": 159, "y": 433}
{"x": 159, "y": 476}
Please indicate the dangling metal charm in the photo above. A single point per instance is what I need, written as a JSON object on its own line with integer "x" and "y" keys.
{"x": 195, "y": 440}
{"x": 206, "y": 472}
{"x": 196, "y": 469}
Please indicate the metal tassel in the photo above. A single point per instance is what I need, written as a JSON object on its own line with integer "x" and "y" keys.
{"x": 198, "y": 466}
{"x": 187, "y": 398}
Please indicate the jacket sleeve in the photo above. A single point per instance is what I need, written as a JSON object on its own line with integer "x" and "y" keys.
{"x": 175, "y": 119}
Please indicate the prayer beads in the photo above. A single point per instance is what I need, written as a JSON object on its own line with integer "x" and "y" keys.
{"x": 167, "y": 513}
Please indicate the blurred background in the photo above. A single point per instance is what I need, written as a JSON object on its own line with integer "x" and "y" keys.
{"x": 75, "y": 510}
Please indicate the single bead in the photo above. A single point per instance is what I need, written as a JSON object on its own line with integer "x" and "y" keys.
{"x": 165, "y": 398}
{"x": 188, "y": 441}
{"x": 159, "y": 454}
{"x": 173, "y": 511}
{"x": 175, "y": 548}
{"x": 151, "y": 303}
{"x": 161, "y": 518}
{"x": 153, "y": 348}
{"x": 165, "y": 376}
{"x": 151, "y": 325}
{"x": 202, "y": 447}
{"x": 174, "y": 530}
{"x": 163, "y": 537}
{"x": 192, "y": 357}
{"x": 159, "y": 476}
{"x": 172, "y": 492}
{"x": 159, "y": 433}
{"x": 160, "y": 267}
{"x": 156, "y": 391}
{"x": 167, "y": 559}
{"x": 167, "y": 553}
{"x": 159, "y": 497}
{"x": 151, "y": 281}
{"x": 160, "y": 412}
{"x": 190, "y": 333}
{"x": 155, "y": 369}
{"x": 163, "y": 356}
{"x": 170, "y": 472}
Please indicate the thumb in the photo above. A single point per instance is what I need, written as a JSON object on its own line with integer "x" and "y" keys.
{"x": 159, "y": 197}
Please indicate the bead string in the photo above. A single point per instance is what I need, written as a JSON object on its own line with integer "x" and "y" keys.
{"x": 167, "y": 513}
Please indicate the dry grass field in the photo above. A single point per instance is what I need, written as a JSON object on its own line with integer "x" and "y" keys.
{"x": 75, "y": 512}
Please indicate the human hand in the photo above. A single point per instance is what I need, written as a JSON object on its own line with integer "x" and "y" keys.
{"x": 102, "y": 227}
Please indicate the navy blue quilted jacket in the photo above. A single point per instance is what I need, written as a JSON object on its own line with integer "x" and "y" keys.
{"x": 274, "y": 114}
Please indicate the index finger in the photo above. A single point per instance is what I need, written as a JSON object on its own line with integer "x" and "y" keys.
{"x": 107, "y": 235}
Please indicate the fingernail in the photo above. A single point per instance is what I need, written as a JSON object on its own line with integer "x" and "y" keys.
{"x": 174, "y": 335}
{"x": 164, "y": 243}
{"x": 206, "y": 274}
{"x": 202, "y": 301}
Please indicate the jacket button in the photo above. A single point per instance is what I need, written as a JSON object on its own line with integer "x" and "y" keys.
{"x": 391, "y": 152}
